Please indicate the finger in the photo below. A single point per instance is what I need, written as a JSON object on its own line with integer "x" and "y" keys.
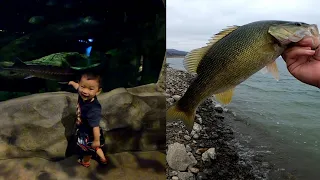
{"x": 293, "y": 53}
{"x": 297, "y": 51}
{"x": 306, "y": 41}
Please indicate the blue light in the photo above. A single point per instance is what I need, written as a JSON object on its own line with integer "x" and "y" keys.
{"x": 90, "y": 40}
{"x": 88, "y": 50}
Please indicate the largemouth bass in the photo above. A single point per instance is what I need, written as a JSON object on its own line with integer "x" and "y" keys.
{"x": 231, "y": 57}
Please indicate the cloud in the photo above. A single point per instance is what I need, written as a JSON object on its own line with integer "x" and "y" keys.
{"x": 191, "y": 23}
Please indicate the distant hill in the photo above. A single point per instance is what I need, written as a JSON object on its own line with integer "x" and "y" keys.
{"x": 175, "y": 53}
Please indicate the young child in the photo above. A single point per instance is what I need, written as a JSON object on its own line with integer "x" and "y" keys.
{"x": 88, "y": 118}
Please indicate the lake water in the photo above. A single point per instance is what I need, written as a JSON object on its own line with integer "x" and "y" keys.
{"x": 284, "y": 117}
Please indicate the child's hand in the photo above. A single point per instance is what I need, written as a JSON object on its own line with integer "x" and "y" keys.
{"x": 74, "y": 84}
{"x": 78, "y": 122}
{"x": 95, "y": 144}
{"x": 71, "y": 82}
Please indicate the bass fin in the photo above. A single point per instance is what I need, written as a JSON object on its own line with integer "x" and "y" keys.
{"x": 193, "y": 58}
{"x": 174, "y": 114}
{"x": 273, "y": 69}
{"x": 222, "y": 34}
{"x": 225, "y": 97}
{"x": 264, "y": 70}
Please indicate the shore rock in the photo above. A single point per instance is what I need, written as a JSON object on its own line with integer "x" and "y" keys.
{"x": 209, "y": 155}
{"x": 122, "y": 166}
{"x": 210, "y": 130}
{"x": 177, "y": 157}
{"x": 186, "y": 176}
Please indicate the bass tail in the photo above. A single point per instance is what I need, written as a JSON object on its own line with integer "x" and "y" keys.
{"x": 174, "y": 114}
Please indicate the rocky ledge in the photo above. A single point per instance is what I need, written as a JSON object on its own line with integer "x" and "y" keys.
{"x": 211, "y": 150}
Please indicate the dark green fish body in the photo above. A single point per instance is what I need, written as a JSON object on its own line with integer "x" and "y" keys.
{"x": 231, "y": 57}
{"x": 60, "y": 74}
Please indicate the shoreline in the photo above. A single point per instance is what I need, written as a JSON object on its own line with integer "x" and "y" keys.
{"x": 211, "y": 150}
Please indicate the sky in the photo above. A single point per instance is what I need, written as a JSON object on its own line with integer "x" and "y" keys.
{"x": 191, "y": 23}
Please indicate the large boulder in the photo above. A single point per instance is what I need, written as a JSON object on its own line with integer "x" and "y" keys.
{"x": 122, "y": 166}
{"x": 42, "y": 125}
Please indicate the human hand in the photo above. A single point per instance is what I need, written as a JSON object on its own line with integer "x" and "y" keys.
{"x": 95, "y": 144}
{"x": 74, "y": 84}
{"x": 71, "y": 82}
{"x": 303, "y": 62}
{"x": 78, "y": 122}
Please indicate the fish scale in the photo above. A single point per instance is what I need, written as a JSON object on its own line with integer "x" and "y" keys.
{"x": 231, "y": 57}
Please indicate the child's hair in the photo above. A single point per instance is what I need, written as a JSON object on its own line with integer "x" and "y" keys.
{"x": 93, "y": 76}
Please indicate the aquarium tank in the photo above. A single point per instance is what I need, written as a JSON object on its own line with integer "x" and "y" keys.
{"x": 44, "y": 44}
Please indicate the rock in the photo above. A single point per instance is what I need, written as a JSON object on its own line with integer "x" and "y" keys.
{"x": 198, "y": 152}
{"x": 176, "y": 97}
{"x": 39, "y": 168}
{"x": 218, "y": 109}
{"x": 265, "y": 164}
{"x": 209, "y": 155}
{"x": 234, "y": 114}
{"x": 194, "y": 170}
{"x": 175, "y": 178}
{"x": 196, "y": 136}
{"x": 188, "y": 148}
{"x": 177, "y": 157}
{"x": 170, "y": 100}
{"x": 201, "y": 150}
{"x": 186, "y": 176}
{"x": 200, "y": 120}
{"x": 197, "y": 127}
{"x": 192, "y": 132}
{"x": 186, "y": 137}
{"x": 124, "y": 113}
{"x": 218, "y": 116}
{"x": 193, "y": 159}
{"x": 173, "y": 173}
{"x": 201, "y": 176}
{"x": 213, "y": 133}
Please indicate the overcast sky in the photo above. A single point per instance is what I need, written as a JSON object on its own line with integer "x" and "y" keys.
{"x": 191, "y": 23}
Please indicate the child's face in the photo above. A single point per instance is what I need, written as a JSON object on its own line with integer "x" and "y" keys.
{"x": 88, "y": 89}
